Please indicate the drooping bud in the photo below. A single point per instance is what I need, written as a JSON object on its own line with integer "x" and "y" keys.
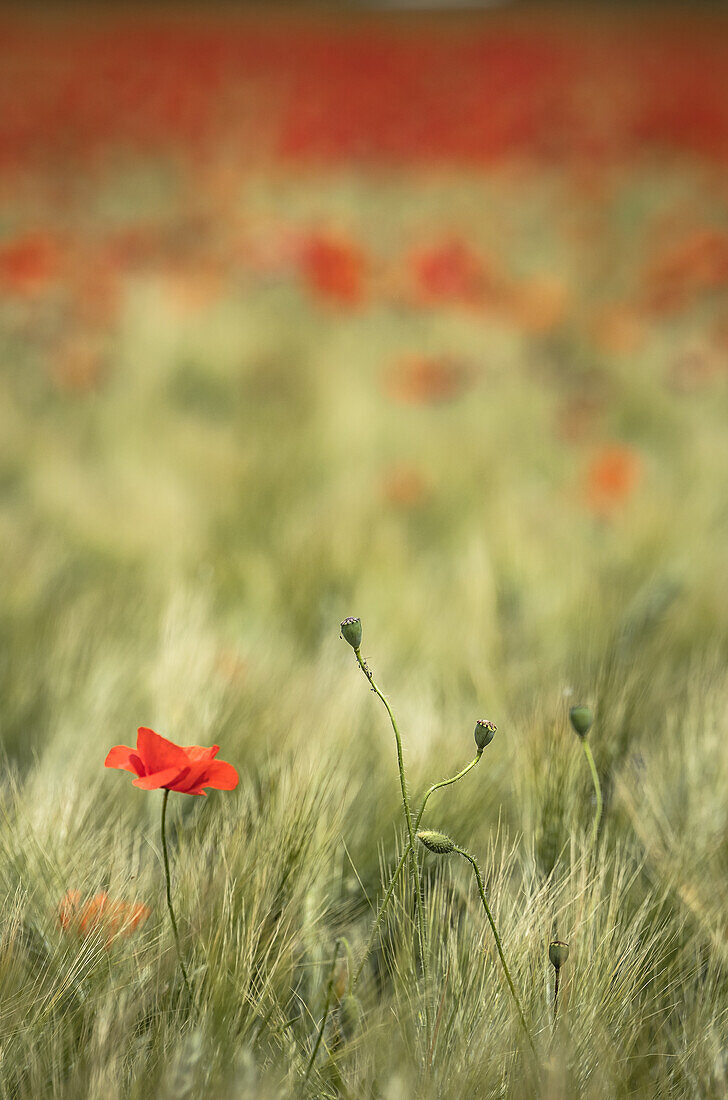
{"x": 351, "y": 632}
{"x": 350, "y": 1014}
{"x": 438, "y": 843}
{"x": 581, "y": 718}
{"x": 484, "y": 733}
{"x": 558, "y": 953}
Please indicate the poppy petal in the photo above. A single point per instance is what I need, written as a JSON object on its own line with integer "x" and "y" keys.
{"x": 157, "y": 753}
{"x": 137, "y": 764}
{"x": 119, "y": 757}
{"x": 221, "y": 775}
{"x": 165, "y": 778}
{"x": 197, "y": 752}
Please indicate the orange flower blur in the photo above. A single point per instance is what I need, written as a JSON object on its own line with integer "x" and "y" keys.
{"x": 612, "y": 477}
{"x": 115, "y": 918}
{"x": 160, "y": 764}
{"x": 449, "y": 272}
{"x": 420, "y": 380}
{"x": 334, "y": 270}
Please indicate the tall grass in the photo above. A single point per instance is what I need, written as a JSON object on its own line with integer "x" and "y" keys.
{"x": 178, "y": 549}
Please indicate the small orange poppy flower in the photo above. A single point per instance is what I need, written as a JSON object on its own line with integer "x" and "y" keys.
{"x": 424, "y": 380}
{"x": 612, "y": 477}
{"x": 404, "y": 487}
{"x": 114, "y": 917}
{"x": 540, "y": 304}
{"x": 160, "y": 764}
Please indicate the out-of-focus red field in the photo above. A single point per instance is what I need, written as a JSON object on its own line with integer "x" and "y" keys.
{"x": 550, "y": 84}
{"x": 125, "y": 140}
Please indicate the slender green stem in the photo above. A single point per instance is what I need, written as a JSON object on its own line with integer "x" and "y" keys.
{"x": 382, "y": 911}
{"x": 489, "y": 915}
{"x": 444, "y": 783}
{"x": 169, "y": 895}
{"x": 556, "y": 992}
{"x": 597, "y": 789}
{"x": 400, "y": 865}
{"x": 410, "y": 833}
{"x": 324, "y": 1018}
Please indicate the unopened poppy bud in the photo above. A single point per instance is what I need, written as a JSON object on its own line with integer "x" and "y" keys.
{"x": 581, "y": 719}
{"x": 558, "y": 953}
{"x": 349, "y": 1016}
{"x": 484, "y": 733}
{"x": 351, "y": 632}
{"x": 438, "y": 843}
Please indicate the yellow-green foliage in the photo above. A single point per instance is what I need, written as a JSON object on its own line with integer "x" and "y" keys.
{"x": 177, "y": 549}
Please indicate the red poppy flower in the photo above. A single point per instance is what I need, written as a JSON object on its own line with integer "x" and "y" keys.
{"x": 29, "y": 263}
{"x": 117, "y": 918}
{"x": 160, "y": 764}
{"x": 449, "y": 272}
{"x": 334, "y": 270}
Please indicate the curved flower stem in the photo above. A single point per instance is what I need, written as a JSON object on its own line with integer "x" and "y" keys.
{"x": 327, "y": 1006}
{"x": 597, "y": 789}
{"x": 400, "y": 865}
{"x": 444, "y": 783}
{"x": 489, "y": 915}
{"x": 410, "y": 832}
{"x": 382, "y": 911}
{"x": 169, "y": 895}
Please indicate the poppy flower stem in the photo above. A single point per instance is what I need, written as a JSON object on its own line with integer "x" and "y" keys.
{"x": 327, "y": 1006}
{"x": 489, "y": 915}
{"x": 410, "y": 833}
{"x": 172, "y": 917}
{"x": 400, "y": 865}
{"x": 597, "y": 790}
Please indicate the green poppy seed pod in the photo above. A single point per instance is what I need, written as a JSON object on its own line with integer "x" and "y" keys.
{"x": 438, "y": 843}
{"x": 350, "y": 1015}
{"x": 558, "y": 953}
{"x": 484, "y": 733}
{"x": 581, "y": 719}
{"x": 351, "y": 632}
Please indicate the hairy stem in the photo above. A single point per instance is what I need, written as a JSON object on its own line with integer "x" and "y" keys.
{"x": 597, "y": 790}
{"x": 400, "y": 865}
{"x": 410, "y": 833}
{"x": 489, "y": 915}
{"x": 324, "y": 1018}
{"x": 444, "y": 783}
{"x": 169, "y": 895}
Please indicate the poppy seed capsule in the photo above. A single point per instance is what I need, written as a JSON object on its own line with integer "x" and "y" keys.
{"x": 558, "y": 953}
{"x": 581, "y": 718}
{"x": 351, "y": 632}
{"x": 484, "y": 733}
{"x": 438, "y": 843}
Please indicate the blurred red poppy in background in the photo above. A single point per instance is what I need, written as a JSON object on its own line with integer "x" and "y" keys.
{"x": 695, "y": 265}
{"x": 449, "y": 272}
{"x": 28, "y": 263}
{"x": 612, "y": 477}
{"x": 424, "y": 380}
{"x": 334, "y": 269}
{"x": 404, "y": 487}
{"x": 116, "y": 918}
{"x": 160, "y": 764}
